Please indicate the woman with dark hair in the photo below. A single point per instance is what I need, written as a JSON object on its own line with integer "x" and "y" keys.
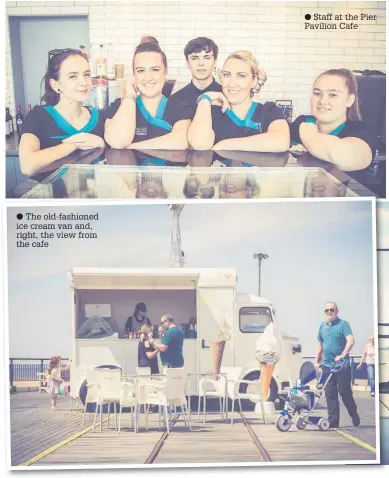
{"x": 334, "y": 132}
{"x": 62, "y": 124}
{"x": 143, "y": 118}
{"x": 135, "y": 321}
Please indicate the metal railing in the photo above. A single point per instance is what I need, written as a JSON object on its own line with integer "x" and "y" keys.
{"x": 27, "y": 372}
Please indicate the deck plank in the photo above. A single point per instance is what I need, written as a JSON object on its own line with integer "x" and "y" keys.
{"x": 34, "y": 428}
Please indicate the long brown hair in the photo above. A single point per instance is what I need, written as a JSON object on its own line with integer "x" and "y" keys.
{"x": 56, "y": 58}
{"x": 353, "y": 113}
{"x": 54, "y": 363}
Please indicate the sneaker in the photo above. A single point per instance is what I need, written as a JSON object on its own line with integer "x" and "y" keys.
{"x": 356, "y": 420}
{"x": 372, "y": 394}
{"x": 334, "y": 425}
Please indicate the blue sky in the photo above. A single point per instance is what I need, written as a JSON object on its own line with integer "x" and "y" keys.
{"x": 318, "y": 251}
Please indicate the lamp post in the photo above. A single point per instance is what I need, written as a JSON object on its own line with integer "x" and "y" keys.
{"x": 176, "y": 253}
{"x": 260, "y": 256}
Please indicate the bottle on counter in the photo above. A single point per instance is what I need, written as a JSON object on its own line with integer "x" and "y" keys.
{"x": 126, "y": 334}
{"x": 110, "y": 63}
{"x": 19, "y": 121}
{"x": 92, "y": 61}
{"x": 9, "y": 124}
{"x": 101, "y": 64}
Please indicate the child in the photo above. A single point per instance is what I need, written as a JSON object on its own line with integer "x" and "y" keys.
{"x": 54, "y": 379}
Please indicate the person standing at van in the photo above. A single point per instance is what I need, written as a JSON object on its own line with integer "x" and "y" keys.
{"x": 147, "y": 355}
{"x": 368, "y": 357}
{"x": 171, "y": 344}
{"x": 201, "y": 57}
{"x": 335, "y": 341}
{"x": 135, "y": 321}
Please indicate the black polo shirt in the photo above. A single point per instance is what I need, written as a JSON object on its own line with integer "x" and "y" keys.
{"x": 147, "y": 126}
{"x": 228, "y": 125}
{"x": 51, "y": 129}
{"x": 351, "y": 129}
{"x": 189, "y": 93}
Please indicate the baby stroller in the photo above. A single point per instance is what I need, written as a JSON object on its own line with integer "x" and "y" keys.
{"x": 302, "y": 400}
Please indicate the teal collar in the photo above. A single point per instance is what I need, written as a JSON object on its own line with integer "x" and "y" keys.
{"x": 157, "y": 119}
{"x": 70, "y": 130}
{"x": 335, "y": 132}
{"x": 247, "y": 122}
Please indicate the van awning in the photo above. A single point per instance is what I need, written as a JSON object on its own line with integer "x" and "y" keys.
{"x": 119, "y": 279}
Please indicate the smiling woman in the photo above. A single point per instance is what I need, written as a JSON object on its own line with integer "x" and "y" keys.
{"x": 231, "y": 120}
{"x": 334, "y": 132}
{"x": 144, "y": 118}
{"x": 63, "y": 124}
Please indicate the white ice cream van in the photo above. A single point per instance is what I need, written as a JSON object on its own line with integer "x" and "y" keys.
{"x": 206, "y": 297}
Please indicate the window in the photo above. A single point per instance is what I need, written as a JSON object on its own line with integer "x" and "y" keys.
{"x": 254, "y": 319}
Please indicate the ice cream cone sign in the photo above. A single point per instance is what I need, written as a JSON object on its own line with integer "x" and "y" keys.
{"x": 217, "y": 347}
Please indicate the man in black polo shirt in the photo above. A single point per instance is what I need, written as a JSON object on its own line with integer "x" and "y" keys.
{"x": 201, "y": 55}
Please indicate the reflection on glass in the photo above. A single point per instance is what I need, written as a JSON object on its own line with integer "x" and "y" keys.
{"x": 239, "y": 186}
{"x": 152, "y": 182}
{"x": 150, "y": 186}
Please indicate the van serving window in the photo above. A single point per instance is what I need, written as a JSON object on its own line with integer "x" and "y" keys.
{"x": 254, "y": 319}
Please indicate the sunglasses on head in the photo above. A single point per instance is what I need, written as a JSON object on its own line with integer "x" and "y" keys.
{"x": 59, "y": 51}
{"x": 329, "y": 310}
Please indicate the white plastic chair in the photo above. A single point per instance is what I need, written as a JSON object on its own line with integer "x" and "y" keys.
{"x": 92, "y": 395}
{"x": 170, "y": 392}
{"x": 143, "y": 370}
{"x": 109, "y": 382}
{"x": 216, "y": 388}
{"x": 233, "y": 385}
{"x": 42, "y": 378}
{"x": 128, "y": 399}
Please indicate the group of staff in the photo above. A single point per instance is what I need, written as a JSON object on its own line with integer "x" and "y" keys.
{"x": 204, "y": 115}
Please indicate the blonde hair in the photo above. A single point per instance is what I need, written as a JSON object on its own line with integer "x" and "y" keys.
{"x": 145, "y": 329}
{"x": 166, "y": 317}
{"x": 256, "y": 70}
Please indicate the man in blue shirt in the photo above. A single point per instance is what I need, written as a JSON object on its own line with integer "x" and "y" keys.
{"x": 171, "y": 344}
{"x": 335, "y": 342}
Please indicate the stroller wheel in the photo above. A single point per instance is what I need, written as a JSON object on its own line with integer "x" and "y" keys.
{"x": 283, "y": 423}
{"x": 301, "y": 424}
{"x": 323, "y": 424}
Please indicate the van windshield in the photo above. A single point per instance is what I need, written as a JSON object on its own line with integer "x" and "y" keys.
{"x": 254, "y": 319}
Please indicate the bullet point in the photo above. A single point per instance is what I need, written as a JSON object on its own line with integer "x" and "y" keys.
{"x": 19, "y": 216}
{"x": 307, "y": 16}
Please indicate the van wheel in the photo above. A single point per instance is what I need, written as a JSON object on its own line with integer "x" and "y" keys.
{"x": 254, "y": 376}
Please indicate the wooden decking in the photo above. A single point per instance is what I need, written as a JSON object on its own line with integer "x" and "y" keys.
{"x": 35, "y": 430}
